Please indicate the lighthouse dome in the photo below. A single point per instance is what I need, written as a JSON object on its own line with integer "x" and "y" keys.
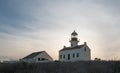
{"x": 74, "y": 33}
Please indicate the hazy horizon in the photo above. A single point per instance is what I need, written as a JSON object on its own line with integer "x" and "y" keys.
{"x": 28, "y": 26}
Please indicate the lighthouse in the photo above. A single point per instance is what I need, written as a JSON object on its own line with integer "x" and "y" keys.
{"x": 75, "y": 52}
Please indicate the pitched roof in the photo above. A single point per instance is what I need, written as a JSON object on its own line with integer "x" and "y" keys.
{"x": 70, "y": 48}
{"x": 32, "y": 55}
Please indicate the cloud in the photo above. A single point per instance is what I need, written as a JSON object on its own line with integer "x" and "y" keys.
{"x": 35, "y": 24}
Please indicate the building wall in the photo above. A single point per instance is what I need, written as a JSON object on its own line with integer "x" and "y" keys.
{"x": 84, "y": 54}
{"x": 29, "y": 60}
{"x": 43, "y": 57}
{"x": 74, "y": 43}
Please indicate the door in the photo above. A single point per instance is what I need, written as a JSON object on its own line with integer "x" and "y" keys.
{"x": 68, "y": 56}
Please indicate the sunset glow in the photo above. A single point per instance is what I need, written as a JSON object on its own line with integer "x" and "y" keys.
{"x": 27, "y": 26}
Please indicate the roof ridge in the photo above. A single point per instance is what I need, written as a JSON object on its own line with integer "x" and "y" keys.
{"x": 70, "y": 48}
{"x": 33, "y": 54}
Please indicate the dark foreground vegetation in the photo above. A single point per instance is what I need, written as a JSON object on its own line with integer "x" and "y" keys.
{"x": 62, "y": 67}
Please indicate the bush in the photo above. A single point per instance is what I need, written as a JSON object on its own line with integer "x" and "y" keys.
{"x": 62, "y": 67}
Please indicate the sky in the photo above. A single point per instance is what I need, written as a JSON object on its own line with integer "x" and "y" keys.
{"x": 28, "y": 26}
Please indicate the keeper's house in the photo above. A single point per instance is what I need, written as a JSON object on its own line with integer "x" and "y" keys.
{"x": 36, "y": 57}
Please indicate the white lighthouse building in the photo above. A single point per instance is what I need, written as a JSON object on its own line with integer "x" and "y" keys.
{"x": 75, "y": 52}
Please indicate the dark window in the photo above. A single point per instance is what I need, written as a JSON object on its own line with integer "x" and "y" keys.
{"x": 63, "y": 56}
{"x": 77, "y": 54}
{"x": 38, "y": 59}
{"x": 68, "y": 56}
{"x": 42, "y": 59}
{"x": 60, "y": 56}
{"x": 85, "y": 49}
{"x": 73, "y": 55}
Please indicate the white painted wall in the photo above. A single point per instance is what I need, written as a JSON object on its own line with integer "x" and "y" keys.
{"x": 83, "y": 55}
{"x": 35, "y": 59}
{"x": 74, "y": 43}
{"x": 43, "y": 55}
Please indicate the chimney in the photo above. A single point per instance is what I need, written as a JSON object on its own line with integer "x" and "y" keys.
{"x": 64, "y": 46}
{"x": 85, "y": 43}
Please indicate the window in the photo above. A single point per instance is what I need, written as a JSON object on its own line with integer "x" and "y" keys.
{"x": 77, "y": 54}
{"x": 73, "y": 55}
{"x": 38, "y": 59}
{"x": 68, "y": 56}
{"x": 60, "y": 56}
{"x": 63, "y": 56}
{"x": 42, "y": 59}
{"x": 71, "y": 44}
{"x": 85, "y": 49}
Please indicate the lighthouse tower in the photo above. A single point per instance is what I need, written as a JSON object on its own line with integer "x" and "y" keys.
{"x": 74, "y": 39}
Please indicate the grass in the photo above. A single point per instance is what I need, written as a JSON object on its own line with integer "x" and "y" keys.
{"x": 62, "y": 67}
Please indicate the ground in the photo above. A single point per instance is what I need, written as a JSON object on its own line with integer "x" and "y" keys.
{"x": 62, "y": 67}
